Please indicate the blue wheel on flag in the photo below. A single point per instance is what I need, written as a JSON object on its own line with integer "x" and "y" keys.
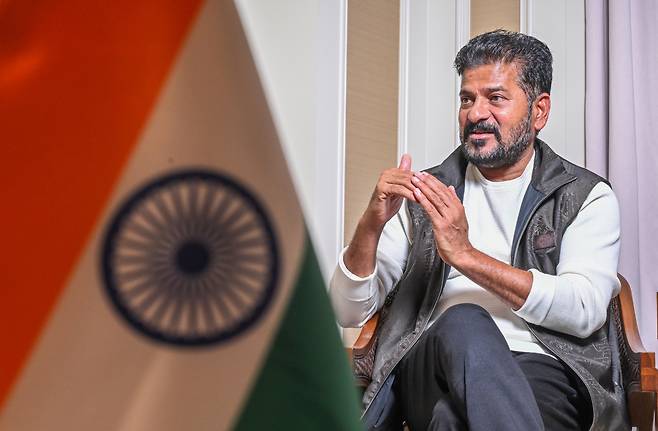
{"x": 191, "y": 259}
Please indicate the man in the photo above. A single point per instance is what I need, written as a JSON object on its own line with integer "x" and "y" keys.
{"x": 494, "y": 279}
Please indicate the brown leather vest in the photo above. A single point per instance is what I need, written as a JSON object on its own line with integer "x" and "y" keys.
{"x": 556, "y": 192}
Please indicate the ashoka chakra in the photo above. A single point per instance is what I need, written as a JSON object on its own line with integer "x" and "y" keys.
{"x": 191, "y": 259}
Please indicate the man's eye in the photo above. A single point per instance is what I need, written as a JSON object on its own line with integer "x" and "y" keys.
{"x": 465, "y": 100}
{"x": 496, "y": 98}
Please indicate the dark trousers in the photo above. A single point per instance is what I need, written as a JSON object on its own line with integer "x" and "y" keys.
{"x": 461, "y": 375}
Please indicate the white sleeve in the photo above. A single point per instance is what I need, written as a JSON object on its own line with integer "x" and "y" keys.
{"x": 355, "y": 299}
{"x": 575, "y": 300}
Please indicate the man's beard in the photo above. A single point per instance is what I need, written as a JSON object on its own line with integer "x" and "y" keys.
{"x": 506, "y": 153}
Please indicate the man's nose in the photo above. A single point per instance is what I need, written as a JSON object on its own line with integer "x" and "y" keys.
{"x": 479, "y": 111}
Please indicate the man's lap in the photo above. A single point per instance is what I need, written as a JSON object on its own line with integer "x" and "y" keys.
{"x": 561, "y": 404}
{"x": 554, "y": 389}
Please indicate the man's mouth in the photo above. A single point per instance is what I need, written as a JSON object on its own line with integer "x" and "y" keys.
{"x": 480, "y": 134}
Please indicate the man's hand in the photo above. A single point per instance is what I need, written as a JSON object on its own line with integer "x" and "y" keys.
{"x": 392, "y": 187}
{"x": 447, "y": 215}
{"x": 450, "y": 226}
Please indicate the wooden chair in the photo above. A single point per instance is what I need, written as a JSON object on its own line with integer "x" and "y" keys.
{"x": 638, "y": 366}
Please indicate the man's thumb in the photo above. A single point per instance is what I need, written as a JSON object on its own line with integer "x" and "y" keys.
{"x": 405, "y": 162}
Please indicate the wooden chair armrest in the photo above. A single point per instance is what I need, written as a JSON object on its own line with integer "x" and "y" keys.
{"x": 361, "y": 354}
{"x": 365, "y": 339}
{"x": 366, "y": 336}
{"x": 632, "y": 333}
{"x": 641, "y": 399}
{"x": 628, "y": 316}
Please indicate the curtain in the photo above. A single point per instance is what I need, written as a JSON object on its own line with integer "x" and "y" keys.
{"x": 621, "y": 142}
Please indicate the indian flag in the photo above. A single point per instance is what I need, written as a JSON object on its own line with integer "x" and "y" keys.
{"x": 156, "y": 273}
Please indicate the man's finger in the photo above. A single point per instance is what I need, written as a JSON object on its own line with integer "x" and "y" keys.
{"x": 405, "y": 162}
{"x": 400, "y": 180}
{"x": 437, "y": 188}
{"x": 435, "y": 200}
{"x": 453, "y": 191}
{"x": 451, "y": 195}
{"x": 399, "y": 175}
{"x": 450, "y": 192}
{"x": 429, "y": 208}
{"x": 403, "y": 192}
{"x": 432, "y": 180}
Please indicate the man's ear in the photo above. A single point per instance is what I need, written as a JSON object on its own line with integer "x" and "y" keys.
{"x": 540, "y": 110}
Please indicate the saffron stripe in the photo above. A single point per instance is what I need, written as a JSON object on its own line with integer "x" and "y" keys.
{"x": 78, "y": 80}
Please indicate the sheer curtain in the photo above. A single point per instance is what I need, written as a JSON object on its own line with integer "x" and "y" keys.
{"x": 621, "y": 126}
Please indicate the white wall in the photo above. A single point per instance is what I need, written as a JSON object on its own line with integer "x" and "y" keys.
{"x": 561, "y": 25}
{"x": 431, "y": 31}
{"x": 298, "y": 46}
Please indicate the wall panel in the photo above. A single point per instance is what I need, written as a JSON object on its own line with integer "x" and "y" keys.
{"x": 372, "y": 105}
{"x": 372, "y": 100}
{"x": 561, "y": 25}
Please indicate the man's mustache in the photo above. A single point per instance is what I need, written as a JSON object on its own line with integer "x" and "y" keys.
{"x": 481, "y": 127}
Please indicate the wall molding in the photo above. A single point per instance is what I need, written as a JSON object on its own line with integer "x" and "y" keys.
{"x": 525, "y": 18}
{"x": 430, "y": 33}
{"x": 342, "y": 115}
{"x": 403, "y": 77}
{"x": 462, "y": 22}
{"x": 326, "y": 223}
{"x": 462, "y": 36}
{"x": 561, "y": 25}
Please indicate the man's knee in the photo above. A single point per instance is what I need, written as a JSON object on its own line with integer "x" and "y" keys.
{"x": 465, "y": 327}
{"x": 464, "y": 319}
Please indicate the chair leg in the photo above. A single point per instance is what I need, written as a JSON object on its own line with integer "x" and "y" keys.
{"x": 641, "y": 409}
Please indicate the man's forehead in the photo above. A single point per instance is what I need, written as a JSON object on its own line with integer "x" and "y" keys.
{"x": 491, "y": 75}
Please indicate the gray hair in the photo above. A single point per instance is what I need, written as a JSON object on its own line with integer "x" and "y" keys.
{"x": 532, "y": 57}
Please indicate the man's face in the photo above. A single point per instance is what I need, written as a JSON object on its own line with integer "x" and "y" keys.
{"x": 494, "y": 117}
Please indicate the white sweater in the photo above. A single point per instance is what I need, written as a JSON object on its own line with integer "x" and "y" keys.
{"x": 573, "y": 302}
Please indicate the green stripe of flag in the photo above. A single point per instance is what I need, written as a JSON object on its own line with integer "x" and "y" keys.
{"x": 305, "y": 382}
